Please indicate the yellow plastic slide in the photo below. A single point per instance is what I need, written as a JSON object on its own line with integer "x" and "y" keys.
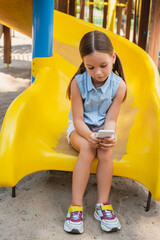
{"x": 33, "y": 134}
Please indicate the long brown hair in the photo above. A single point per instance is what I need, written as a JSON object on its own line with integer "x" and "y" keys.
{"x": 96, "y": 41}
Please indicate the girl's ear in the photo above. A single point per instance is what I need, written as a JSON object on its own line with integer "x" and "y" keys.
{"x": 114, "y": 57}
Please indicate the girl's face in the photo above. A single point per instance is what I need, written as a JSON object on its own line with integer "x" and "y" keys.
{"x": 99, "y": 65}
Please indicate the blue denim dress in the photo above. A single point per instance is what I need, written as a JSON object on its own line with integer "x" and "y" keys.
{"x": 96, "y": 101}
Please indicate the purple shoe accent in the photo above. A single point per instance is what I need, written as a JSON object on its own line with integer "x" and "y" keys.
{"x": 108, "y": 215}
{"x": 75, "y": 217}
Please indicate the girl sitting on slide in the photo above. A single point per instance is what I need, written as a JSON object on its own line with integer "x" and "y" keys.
{"x": 96, "y": 91}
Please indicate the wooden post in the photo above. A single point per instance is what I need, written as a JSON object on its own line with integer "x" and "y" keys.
{"x": 135, "y": 23}
{"x": 143, "y": 29}
{"x": 72, "y": 7}
{"x": 62, "y": 6}
{"x": 56, "y": 4}
{"x": 7, "y": 44}
{"x": 105, "y": 14}
{"x": 119, "y": 19}
{"x": 82, "y": 6}
{"x": 153, "y": 47}
{"x": 129, "y": 17}
{"x": 91, "y": 12}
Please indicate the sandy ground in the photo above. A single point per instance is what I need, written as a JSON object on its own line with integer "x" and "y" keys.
{"x": 39, "y": 209}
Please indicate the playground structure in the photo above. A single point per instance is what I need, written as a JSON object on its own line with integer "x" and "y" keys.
{"x": 137, "y": 20}
{"x": 144, "y": 15}
{"x": 34, "y": 128}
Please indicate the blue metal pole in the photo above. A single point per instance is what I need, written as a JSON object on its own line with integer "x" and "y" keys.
{"x": 42, "y": 28}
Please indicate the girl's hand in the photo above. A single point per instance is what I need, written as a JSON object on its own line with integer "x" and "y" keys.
{"x": 93, "y": 141}
{"x": 106, "y": 143}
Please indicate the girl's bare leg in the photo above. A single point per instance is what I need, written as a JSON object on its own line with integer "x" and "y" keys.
{"x": 104, "y": 174}
{"x": 82, "y": 167}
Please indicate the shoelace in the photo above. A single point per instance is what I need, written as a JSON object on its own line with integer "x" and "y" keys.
{"x": 75, "y": 215}
{"x": 108, "y": 214}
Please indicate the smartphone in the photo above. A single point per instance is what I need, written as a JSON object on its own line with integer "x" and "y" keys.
{"x": 105, "y": 133}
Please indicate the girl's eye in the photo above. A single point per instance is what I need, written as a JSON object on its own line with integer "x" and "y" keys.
{"x": 104, "y": 66}
{"x": 90, "y": 68}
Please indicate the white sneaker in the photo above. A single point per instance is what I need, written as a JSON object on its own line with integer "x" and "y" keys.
{"x": 109, "y": 222}
{"x": 74, "y": 220}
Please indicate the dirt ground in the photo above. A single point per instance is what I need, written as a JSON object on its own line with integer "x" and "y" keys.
{"x": 39, "y": 209}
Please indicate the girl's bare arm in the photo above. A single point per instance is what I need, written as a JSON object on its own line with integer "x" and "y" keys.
{"x": 112, "y": 115}
{"x": 113, "y": 112}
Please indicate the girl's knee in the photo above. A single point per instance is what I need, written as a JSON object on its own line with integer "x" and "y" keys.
{"x": 88, "y": 152}
{"x": 104, "y": 155}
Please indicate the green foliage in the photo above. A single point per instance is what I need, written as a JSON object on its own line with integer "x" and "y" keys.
{"x": 99, "y": 7}
{"x": 78, "y": 2}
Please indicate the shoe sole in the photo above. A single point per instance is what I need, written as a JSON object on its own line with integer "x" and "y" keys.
{"x": 69, "y": 229}
{"x": 114, "y": 229}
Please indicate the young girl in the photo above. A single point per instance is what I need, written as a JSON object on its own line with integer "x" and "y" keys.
{"x": 96, "y": 92}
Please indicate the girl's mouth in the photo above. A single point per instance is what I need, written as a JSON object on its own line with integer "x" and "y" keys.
{"x": 100, "y": 78}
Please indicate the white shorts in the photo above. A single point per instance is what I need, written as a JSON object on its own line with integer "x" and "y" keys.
{"x": 70, "y": 129}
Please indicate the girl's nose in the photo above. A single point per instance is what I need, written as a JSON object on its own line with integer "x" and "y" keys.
{"x": 98, "y": 72}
